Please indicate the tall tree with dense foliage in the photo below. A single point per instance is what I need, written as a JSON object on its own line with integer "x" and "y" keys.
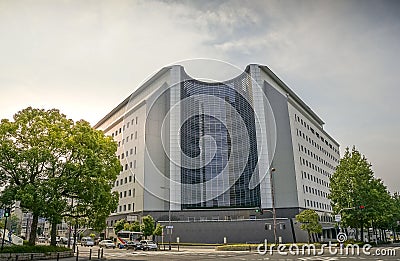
{"x": 27, "y": 146}
{"x": 309, "y": 222}
{"x": 148, "y": 225}
{"x": 48, "y": 161}
{"x": 353, "y": 185}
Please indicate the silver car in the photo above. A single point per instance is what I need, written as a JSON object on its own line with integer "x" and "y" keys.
{"x": 148, "y": 245}
{"x": 107, "y": 244}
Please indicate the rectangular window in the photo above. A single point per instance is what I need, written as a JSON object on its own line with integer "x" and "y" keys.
{"x": 120, "y": 208}
{"x": 135, "y": 135}
{"x": 125, "y": 194}
{"x": 129, "y": 205}
{"x": 130, "y": 178}
{"x": 133, "y": 192}
{"x": 129, "y": 193}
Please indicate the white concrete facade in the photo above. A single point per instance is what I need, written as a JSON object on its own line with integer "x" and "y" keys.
{"x": 304, "y": 157}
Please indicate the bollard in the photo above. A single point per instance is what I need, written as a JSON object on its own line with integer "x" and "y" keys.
{"x": 102, "y": 253}
{"x": 58, "y": 256}
{"x": 77, "y": 254}
{"x": 98, "y": 254}
{"x": 90, "y": 254}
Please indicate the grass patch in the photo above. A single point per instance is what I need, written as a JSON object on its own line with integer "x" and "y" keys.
{"x": 34, "y": 249}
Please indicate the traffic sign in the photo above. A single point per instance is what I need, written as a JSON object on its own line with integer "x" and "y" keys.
{"x": 169, "y": 227}
{"x": 338, "y": 218}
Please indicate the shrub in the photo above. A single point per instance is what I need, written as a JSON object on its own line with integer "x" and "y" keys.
{"x": 33, "y": 249}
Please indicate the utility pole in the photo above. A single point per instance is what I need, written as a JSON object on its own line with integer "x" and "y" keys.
{"x": 272, "y": 170}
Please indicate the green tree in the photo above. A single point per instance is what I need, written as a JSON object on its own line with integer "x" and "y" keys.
{"x": 28, "y": 145}
{"x": 309, "y": 222}
{"x": 135, "y": 226}
{"x": 57, "y": 168}
{"x": 158, "y": 230}
{"x": 148, "y": 226}
{"x": 86, "y": 176}
{"x": 119, "y": 225}
{"x": 353, "y": 185}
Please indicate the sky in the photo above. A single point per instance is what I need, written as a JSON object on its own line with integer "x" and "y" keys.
{"x": 85, "y": 57}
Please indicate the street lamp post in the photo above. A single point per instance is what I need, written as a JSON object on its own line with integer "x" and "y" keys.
{"x": 169, "y": 224}
{"x": 169, "y": 218}
{"x": 273, "y": 202}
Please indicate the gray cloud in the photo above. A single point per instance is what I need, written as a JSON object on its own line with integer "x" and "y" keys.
{"x": 84, "y": 57}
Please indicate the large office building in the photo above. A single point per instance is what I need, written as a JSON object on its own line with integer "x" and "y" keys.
{"x": 200, "y": 154}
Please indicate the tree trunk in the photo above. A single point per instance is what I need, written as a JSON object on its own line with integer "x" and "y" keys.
{"x": 32, "y": 235}
{"x": 309, "y": 236}
{"x": 53, "y": 233}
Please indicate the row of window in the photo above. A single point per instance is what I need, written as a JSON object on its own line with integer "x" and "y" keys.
{"x": 317, "y": 192}
{"x": 123, "y": 208}
{"x": 126, "y": 154}
{"x": 120, "y": 130}
{"x": 315, "y": 204}
{"x": 314, "y": 167}
{"x": 308, "y": 152}
{"x": 325, "y": 218}
{"x": 127, "y": 139}
{"x": 300, "y": 120}
{"x": 127, "y": 193}
{"x": 125, "y": 180}
{"x": 309, "y": 140}
{"x": 305, "y": 175}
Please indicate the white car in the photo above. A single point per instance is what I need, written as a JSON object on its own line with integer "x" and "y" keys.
{"x": 87, "y": 241}
{"x": 107, "y": 244}
{"x": 148, "y": 245}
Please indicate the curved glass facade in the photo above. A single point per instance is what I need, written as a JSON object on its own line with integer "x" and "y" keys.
{"x": 218, "y": 143}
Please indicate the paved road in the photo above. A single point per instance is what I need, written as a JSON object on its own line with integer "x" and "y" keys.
{"x": 194, "y": 254}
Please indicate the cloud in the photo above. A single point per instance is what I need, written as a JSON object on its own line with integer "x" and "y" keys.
{"x": 85, "y": 57}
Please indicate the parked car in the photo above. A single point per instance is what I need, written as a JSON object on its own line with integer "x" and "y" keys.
{"x": 63, "y": 240}
{"x": 148, "y": 245}
{"x": 107, "y": 243}
{"x": 87, "y": 241}
{"x": 135, "y": 245}
{"x": 41, "y": 239}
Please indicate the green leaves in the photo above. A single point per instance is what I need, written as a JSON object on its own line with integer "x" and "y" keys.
{"x": 352, "y": 185}
{"x": 48, "y": 161}
{"x": 309, "y": 222}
